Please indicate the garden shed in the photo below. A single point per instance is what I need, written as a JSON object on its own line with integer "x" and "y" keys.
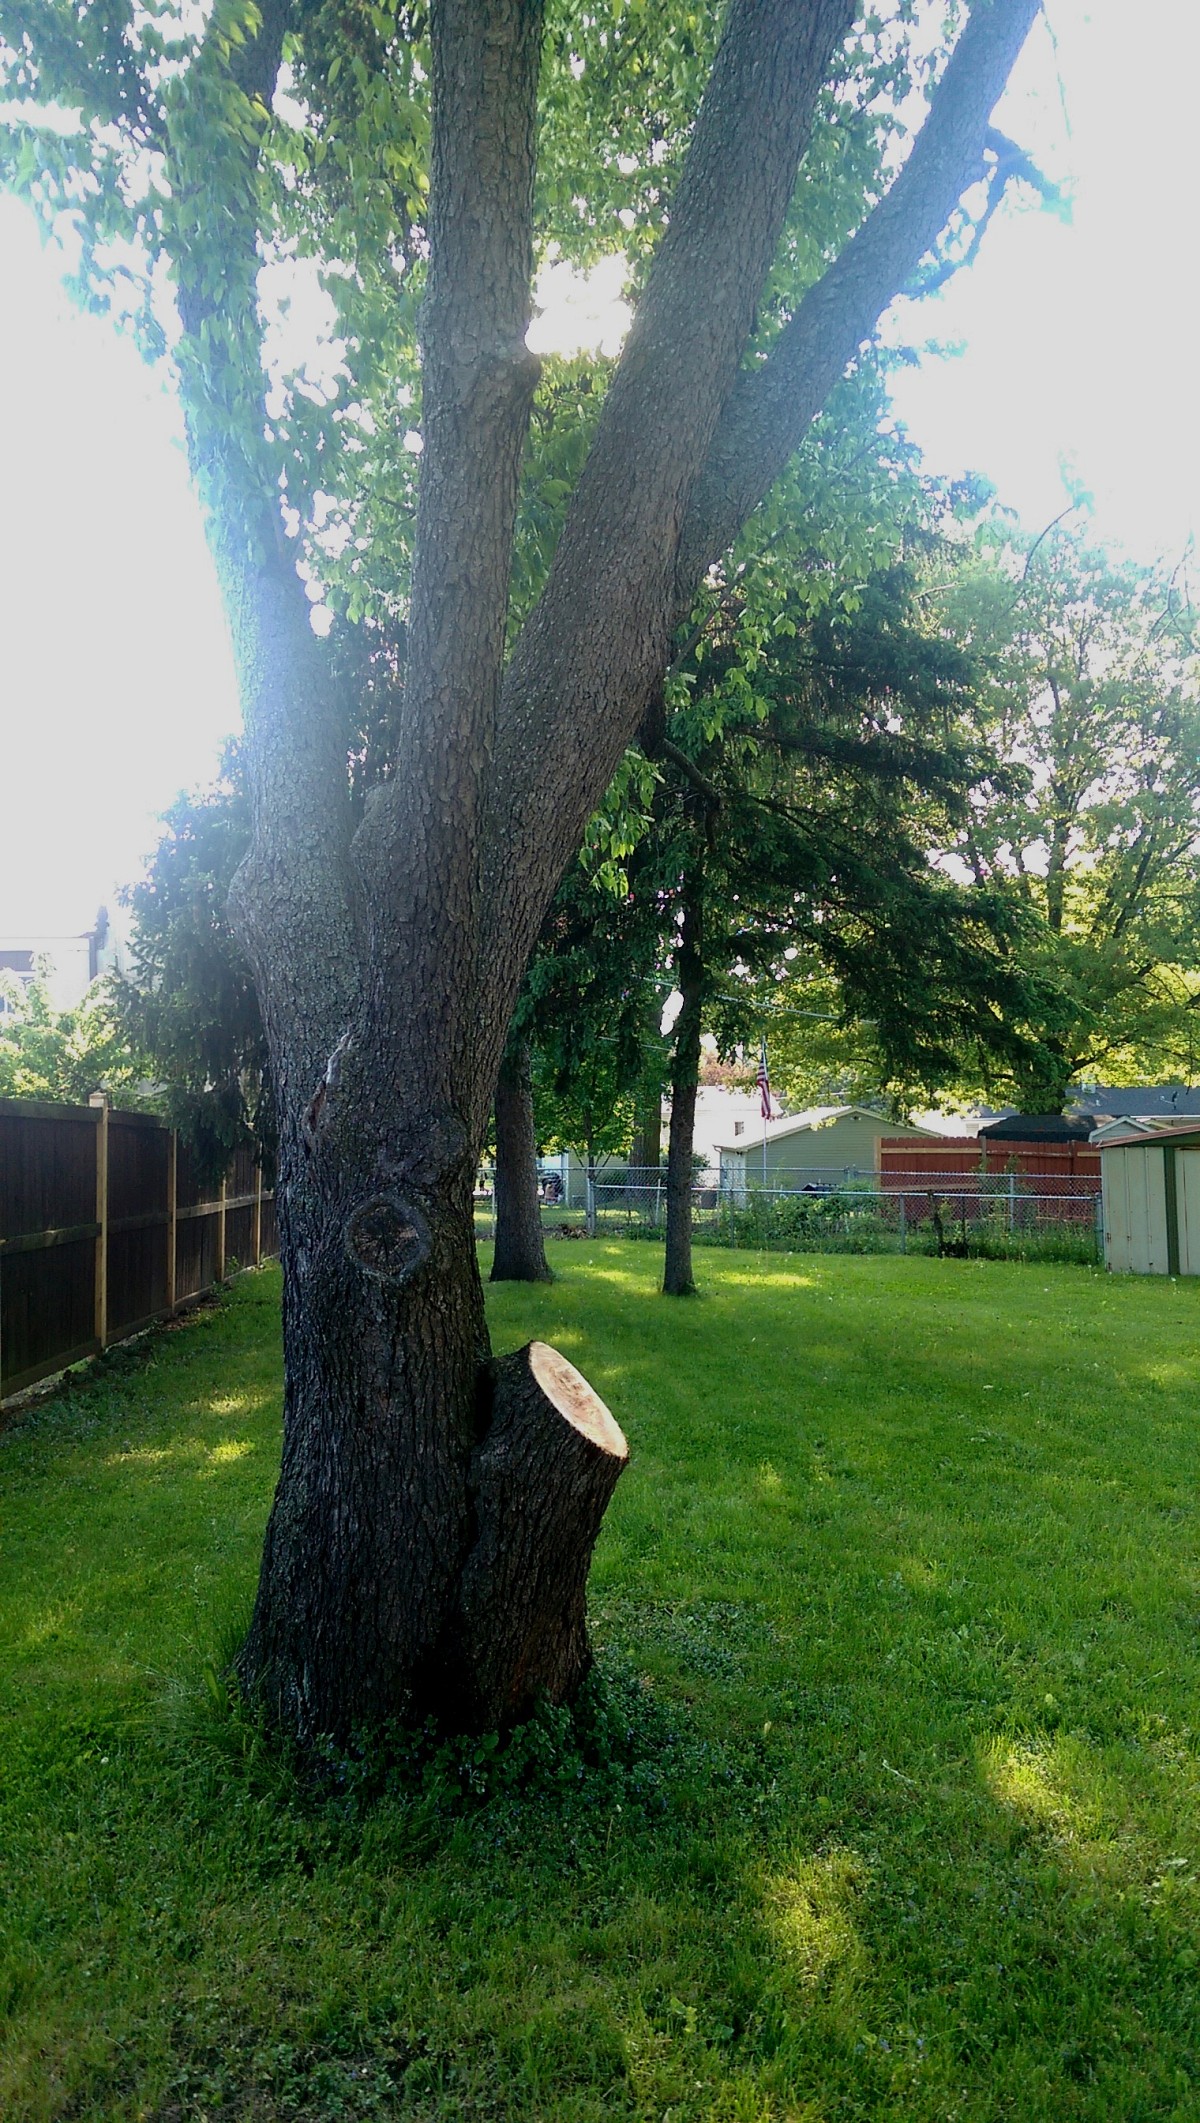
{"x": 1150, "y": 1172}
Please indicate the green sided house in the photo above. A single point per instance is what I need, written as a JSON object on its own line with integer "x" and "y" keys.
{"x": 826, "y": 1146}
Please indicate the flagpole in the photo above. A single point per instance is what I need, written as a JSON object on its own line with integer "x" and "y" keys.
{"x": 765, "y": 1104}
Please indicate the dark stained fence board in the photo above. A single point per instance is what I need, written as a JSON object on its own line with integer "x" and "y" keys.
{"x": 137, "y": 1281}
{"x": 239, "y": 1238}
{"x": 49, "y": 1284}
{"x": 47, "y": 1169}
{"x": 195, "y": 1256}
{"x": 47, "y": 1311}
{"x": 138, "y": 1172}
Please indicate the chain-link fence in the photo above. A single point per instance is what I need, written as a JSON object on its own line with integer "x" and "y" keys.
{"x": 996, "y": 1215}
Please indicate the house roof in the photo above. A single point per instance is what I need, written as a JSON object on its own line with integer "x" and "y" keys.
{"x": 1140, "y": 1101}
{"x": 813, "y": 1118}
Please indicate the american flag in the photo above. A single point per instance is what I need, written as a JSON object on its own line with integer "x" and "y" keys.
{"x": 764, "y": 1084}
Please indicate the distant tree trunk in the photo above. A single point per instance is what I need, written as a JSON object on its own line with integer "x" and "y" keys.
{"x": 685, "y": 1075}
{"x": 520, "y": 1255}
{"x": 645, "y": 1153}
{"x": 1044, "y": 1085}
{"x": 590, "y": 1154}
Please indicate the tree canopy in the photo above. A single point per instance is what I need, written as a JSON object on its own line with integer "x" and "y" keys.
{"x": 1092, "y": 702}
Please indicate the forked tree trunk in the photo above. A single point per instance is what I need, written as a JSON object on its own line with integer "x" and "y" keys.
{"x": 678, "y": 1280}
{"x": 433, "y": 1526}
{"x": 520, "y": 1251}
{"x": 435, "y": 1516}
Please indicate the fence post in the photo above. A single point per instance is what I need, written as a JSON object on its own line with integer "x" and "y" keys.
{"x": 219, "y": 1271}
{"x": 903, "y": 1226}
{"x": 172, "y": 1216}
{"x": 1012, "y": 1201}
{"x": 99, "y": 1100}
{"x": 258, "y": 1216}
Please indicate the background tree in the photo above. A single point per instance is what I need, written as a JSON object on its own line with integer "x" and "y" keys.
{"x": 65, "y": 1055}
{"x": 1093, "y": 700}
{"x": 519, "y": 1252}
{"x": 814, "y": 779}
{"x": 188, "y": 1000}
{"x": 591, "y": 998}
{"x": 402, "y": 1568}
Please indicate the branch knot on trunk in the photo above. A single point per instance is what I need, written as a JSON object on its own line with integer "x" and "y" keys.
{"x": 388, "y": 1238}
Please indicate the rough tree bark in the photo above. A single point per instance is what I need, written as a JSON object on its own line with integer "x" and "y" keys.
{"x": 520, "y": 1250}
{"x": 678, "y": 1280}
{"x": 434, "y": 1517}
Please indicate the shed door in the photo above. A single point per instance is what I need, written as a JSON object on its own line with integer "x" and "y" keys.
{"x": 1187, "y": 1183}
{"x": 1135, "y": 1209}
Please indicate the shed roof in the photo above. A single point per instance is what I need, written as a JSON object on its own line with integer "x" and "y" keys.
{"x": 1180, "y": 1128}
{"x": 1040, "y": 1128}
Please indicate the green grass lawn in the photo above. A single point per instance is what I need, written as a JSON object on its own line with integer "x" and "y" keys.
{"x": 897, "y": 1609}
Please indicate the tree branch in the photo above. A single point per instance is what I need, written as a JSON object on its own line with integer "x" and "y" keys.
{"x": 772, "y": 406}
{"x": 598, "y": 641}
{"x": 419, "y": 845}
{"x": 691, "y": 772}
{"x": 292, "y": 900}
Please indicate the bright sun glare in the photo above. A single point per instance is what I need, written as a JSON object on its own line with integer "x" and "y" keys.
{"x": 1076, "y": 364}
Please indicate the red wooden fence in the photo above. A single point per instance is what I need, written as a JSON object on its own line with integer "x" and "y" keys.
{"x": 1063, "y": 1176}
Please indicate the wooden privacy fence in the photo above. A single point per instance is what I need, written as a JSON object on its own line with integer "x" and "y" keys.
{"x": 104, "y": 1229}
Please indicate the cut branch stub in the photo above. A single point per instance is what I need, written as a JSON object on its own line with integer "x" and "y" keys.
{"x": 543, "y": 1475}
{"x": 388, "y": 1238}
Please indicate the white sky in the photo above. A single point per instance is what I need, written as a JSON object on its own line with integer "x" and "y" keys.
{"x": 1078, "y": 339}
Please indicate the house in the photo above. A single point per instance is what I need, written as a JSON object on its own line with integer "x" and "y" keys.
{"x": 69, "y": 963}
{"x": 722, "y": 1113}
{"x": 822, "y": 1147}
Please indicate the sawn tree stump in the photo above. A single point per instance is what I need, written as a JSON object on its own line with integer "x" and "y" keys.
{"x": 542, "y": 1478}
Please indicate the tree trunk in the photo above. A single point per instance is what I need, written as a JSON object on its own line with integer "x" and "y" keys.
{"x": 685, "y": 1075}
{"x": 590, "y": 1154}
{"x": 541, "y": 1480}
{"x": 431, "y": 1533}
{"x": 520, "y": 1253}
{"x": 645, "y": 1154}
